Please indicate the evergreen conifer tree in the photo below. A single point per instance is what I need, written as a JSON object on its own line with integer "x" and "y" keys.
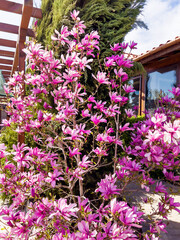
{"x": 113, "y": 19}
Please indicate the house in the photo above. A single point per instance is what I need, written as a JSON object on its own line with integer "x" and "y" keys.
{"x": 162, "y": 65}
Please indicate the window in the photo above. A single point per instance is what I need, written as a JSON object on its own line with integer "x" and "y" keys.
{"x": 158, "y": 83}
{"x": 134, "y": 97}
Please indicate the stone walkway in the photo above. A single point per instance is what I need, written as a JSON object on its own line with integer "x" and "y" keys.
{"x": 173, "y": 223}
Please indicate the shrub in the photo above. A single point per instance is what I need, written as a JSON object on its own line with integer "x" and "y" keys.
{"x": 75, "y": 136}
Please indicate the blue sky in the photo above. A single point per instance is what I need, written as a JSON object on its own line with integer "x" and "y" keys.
{"x": 163, "y": 20}
{"x": 161, "y": 16}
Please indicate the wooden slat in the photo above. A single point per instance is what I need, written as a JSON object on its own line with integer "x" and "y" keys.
{"x": 4, "y": 27}
{"x": 6, "y": 73}
{"x": 6, "y": 53}
{"x": 5, "y": 67}
{"x": 7, "y": 43}
{"x": 6, "y": 61}
{"x": 17, "y": 8}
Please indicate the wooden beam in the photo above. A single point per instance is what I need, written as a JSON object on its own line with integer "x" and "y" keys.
{"x": 6, "y": 61}
{"x": 169, "y": 46}
{"x": 6, "y": 53}
{"x": 17, "y": 8}
{"x": 7, "y": 43}
{"x": 4, "y": 67}
{"x": 4, "y": 27}
{"x": 162, "y": 63}
{"x": 165, "y": 52}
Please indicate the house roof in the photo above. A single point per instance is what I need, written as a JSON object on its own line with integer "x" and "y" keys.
{"x": 170, "y": 45}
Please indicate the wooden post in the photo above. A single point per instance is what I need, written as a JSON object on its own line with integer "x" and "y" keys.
{"x": 26, "y": 14}
{"x": 143, "y": 92}
{"x": 178, "y": 75}
{"x": 0, "y": 115}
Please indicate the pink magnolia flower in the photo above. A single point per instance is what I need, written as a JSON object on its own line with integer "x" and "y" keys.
{"x": 98, "y": 119}
{"x": 53, "y": 177}
{"x": 116, "y": 47}
{"x": 77, "y": 173}
{"x": 107, "y": 186}
{"x": 109, "y": 63}
{"x": 85, "y": 230}
{"x": 83, "y": 63}
{"x": 74, "y": 15}
{"x": 170, "y": 176}
{"x": 160, "y": 188}
{"x": 124, "y": 45}
{"x": 175, "y": 91}
{"x": 84, "y": 163}
{"x": 101, "y": 78}
{"x": 100, "y": 105}
{"x": 158, "y": 119}
{"x": 125, "y": 128}
{"x": 128, "y": 88}
{"x": 119, "y": 73}
{"x": 65, "y": 210}
{"x": 85, "y": 113}
{"x": 100, "y": 152}
{"x": 172, "y": 132}
{"x": 130, "y": 113}
{"x": 73, "y": 152}
{"x": 61, "y": 37}
{"x": 132, "y": 45}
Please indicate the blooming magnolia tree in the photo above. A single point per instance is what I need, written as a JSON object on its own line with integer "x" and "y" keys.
{"x": 75, "y": 134}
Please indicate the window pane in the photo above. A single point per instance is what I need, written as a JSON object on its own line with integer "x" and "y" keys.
{"x": 158, "y": 83}
{"x": 134, "y": 96}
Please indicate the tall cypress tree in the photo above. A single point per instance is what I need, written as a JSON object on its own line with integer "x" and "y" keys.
{"x": 113, "y": 19}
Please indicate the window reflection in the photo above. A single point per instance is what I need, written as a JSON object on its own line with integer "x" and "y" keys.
{"x": 158, "y": 83}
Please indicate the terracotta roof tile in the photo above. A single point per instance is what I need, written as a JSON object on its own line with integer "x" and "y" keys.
{"x": 160, "y": 47}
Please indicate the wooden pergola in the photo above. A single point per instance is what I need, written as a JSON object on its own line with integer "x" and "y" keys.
{"x": 8, "y": 66}
{"x": 27, "y": 11}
